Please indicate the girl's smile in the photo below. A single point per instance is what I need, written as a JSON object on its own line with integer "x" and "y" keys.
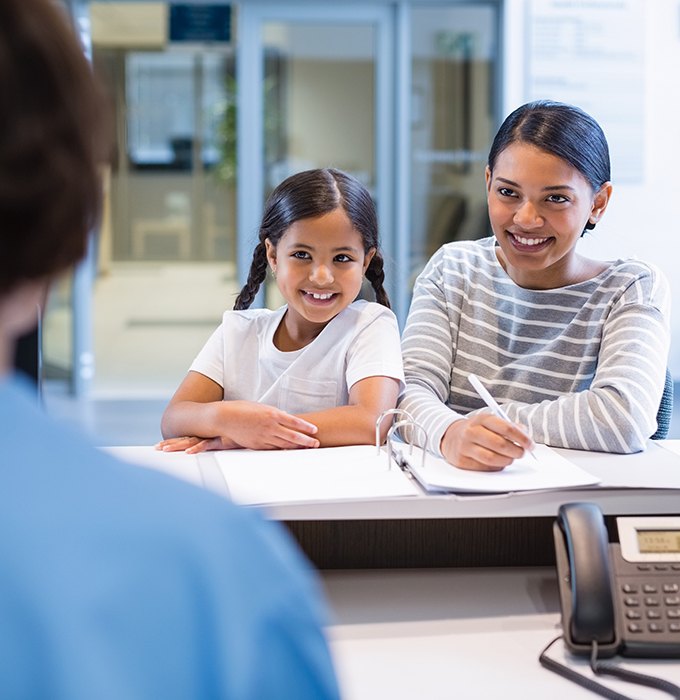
{"x": 319, "y": 264}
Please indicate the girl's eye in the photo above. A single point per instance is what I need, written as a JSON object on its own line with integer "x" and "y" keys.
{"x": 301, "y": 255}
{"x": 342, "y": 258}
{"x": 506, "y": 192}
{"x": 557, "y": 198}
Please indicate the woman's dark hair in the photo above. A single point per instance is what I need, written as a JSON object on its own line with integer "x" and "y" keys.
{"x": 564, "y": 131}
{"x": 52, "y": 142}
{"x": 308, "y": 194}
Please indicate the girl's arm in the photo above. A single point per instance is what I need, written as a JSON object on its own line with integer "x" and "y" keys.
{"x": 354, "y": 424}
{"x": 198, "y": 411}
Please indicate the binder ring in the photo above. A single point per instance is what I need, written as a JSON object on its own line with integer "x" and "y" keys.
{"x": 392, "y": 452}
{"x": 382, "y": 416}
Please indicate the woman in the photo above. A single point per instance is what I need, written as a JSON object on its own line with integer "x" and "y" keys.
{"x": 574, "y": 349}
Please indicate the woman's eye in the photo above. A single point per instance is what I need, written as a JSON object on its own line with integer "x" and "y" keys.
{"x": 343, "y": 258}
{"x": 506, "y": 192}
{"x": 301, "y": 255}
{"x": 557, "y": 198}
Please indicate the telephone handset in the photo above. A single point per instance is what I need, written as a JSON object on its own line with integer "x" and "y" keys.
{"x": 623, "y": 595}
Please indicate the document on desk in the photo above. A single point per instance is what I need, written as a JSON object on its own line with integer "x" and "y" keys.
{"x": 177, "y": 464}
{"x": 549, "y": 470}
{"x": 324, "y": 474}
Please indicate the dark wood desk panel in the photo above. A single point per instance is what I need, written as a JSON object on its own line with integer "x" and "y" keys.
{"x": 463, "y": 542}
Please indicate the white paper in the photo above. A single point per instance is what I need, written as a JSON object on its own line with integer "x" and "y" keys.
{"x": 177, "y": 464}
{"x": 323, "y": 474}
{"x": 549, "y": 471}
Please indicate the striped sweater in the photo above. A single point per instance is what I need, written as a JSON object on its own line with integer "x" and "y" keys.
{"x": 581, "y": 366}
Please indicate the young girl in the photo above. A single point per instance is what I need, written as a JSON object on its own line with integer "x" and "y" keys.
{"x": 319, "y": 370}
{"x": 572, "y": 348}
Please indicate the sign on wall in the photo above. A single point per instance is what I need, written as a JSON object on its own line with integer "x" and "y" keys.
{"x": 591, "y": 53}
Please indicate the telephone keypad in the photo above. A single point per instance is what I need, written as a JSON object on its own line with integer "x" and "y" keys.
{"x": 650, "y": 598}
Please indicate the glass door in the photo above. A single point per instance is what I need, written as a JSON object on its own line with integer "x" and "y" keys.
{"x": 161, "y": 269}
{"x": 317, "y": 81}
{"x": 453, "y": 116}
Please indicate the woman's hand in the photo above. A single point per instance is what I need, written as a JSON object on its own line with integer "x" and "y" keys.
{"x": 484, "y": 442}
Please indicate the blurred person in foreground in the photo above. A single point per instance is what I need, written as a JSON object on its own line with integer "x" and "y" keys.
{"x": 116, "y": 581}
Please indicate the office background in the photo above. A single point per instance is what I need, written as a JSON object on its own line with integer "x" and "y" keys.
{"x": 215, "y": 104}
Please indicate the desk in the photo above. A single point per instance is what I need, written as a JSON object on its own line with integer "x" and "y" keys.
{"x": 451, "y": 530}
{"x": 447, "y": 530}
{"x": 456, "y": 633}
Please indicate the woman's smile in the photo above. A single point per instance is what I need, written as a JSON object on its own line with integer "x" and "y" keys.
{"x": 529, "y": 243}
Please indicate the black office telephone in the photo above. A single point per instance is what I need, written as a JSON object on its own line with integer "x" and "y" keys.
{"x": 617, "y": 597}
{"x": 625, "y": 595}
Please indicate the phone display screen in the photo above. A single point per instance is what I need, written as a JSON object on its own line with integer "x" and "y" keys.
{"x": 656, "y": 541}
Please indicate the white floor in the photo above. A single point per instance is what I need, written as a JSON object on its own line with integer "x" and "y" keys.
{"x": 150, "y": 320}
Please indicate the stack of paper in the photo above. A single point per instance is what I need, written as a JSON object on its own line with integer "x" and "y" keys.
{"x": 548, "y": 471}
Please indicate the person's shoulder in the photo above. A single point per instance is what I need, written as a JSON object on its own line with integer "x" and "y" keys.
{"x": 636, "y": 269}
{"x": 479, "y": 251}
{"x": 368, "y": 311}
{"x": 250, "y": 318}
{"x": 641, "y": 275}
{"x": 151, "y": 509}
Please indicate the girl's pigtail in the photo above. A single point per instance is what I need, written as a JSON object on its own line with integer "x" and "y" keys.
{"x": 376, "y": 276}
{"x": 256, "y": 275}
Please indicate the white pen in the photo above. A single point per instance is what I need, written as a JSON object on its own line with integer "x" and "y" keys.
{"x": 490, "y": 401}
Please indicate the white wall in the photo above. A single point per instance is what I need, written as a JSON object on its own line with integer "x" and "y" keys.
{"x": 643, "y": 219}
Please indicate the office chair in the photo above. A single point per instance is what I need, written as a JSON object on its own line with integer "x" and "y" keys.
{"x": 663, "y": 416}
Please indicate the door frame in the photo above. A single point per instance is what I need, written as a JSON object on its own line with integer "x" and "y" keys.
{"x": 390, "y": 125}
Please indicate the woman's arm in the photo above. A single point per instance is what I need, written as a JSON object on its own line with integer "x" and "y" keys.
{"x": 354, "y": 424}
{"x": 617, "y": 413}
{"x": 482, "y": 443}
{"x": 198, "y": 412}
{"x": 428, "y": 349}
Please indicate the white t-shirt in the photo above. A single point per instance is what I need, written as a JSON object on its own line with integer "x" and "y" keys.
{"x": 361, "y": 341}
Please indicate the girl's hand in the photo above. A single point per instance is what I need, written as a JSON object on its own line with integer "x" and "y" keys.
{"x": 188, "y": 444}
{"x": 257, "y": 426}
{"x": 194, "y": 445}
{"x": 484, "y": 442}
{"x": 247, "y": 424}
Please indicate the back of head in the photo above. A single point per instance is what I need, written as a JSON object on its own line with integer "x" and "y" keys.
{"x": 564, "y": 131}
{"x": 51, "y": 142}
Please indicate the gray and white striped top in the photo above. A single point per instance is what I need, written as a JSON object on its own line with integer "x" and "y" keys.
{"x": 581, "y": 366}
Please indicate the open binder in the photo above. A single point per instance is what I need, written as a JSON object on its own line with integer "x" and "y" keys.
{"x": 375, "y": 471}
{"x": 549, "y": 470}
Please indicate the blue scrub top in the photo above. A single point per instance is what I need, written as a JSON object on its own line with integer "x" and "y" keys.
{"x": 122, "y": 582}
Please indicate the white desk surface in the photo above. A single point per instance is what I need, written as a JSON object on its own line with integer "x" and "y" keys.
{"x": 614, "y": 470}
{"x": 457, "y": 633}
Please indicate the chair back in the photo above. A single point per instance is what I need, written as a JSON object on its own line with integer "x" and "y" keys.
{"x": 665, "y": 412}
